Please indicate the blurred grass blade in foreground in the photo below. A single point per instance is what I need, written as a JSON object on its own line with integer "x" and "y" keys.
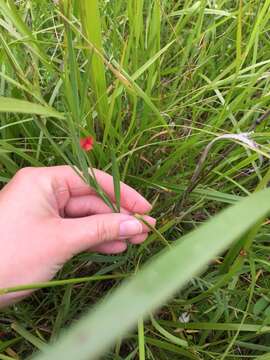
{"x": 159, "y": 280}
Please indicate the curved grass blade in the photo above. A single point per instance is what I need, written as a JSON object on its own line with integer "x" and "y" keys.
{"x": 172, "y": 338}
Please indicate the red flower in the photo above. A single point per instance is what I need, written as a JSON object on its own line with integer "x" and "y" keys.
{"x": 87, "y": 143}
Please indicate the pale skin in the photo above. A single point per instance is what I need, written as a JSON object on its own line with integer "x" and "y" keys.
{"x": 48, "y": 215}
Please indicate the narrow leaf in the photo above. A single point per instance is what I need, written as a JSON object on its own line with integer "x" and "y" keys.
{"x": 116, "y": 181}
{"x": 21, "y": 106}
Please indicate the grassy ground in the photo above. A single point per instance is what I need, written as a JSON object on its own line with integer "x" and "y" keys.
{"x": 171, "y": 77}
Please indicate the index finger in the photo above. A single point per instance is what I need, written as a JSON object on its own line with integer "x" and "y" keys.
{"x": 131, "y": 200}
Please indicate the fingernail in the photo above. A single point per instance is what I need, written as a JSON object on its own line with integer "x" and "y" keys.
{"x": 130, "y": 228}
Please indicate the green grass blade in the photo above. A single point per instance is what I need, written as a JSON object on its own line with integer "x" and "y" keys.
{"x": 172, "y": 348}
{"x": 146, "y": 66}
{"x": 39, "y": 344}
{"x": 25, "y": 107}
{"x": 54, "y": 283}
{"x": 263, "y": 357}
{"x": 173, "y": 339}
{"x": 62, "y": 313}
{"x": 90, "y": 16}
{"x": 256, "y": 328}
{"x": 141, "y": 340}
{"x": 153, "y": 285}
{"x": 116, "y": 181}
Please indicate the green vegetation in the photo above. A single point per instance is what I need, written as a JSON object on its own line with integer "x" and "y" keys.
{"x": 176, "y": 94}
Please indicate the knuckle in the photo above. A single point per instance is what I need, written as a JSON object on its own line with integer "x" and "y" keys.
{"x": 104, "y": 232}
{"x": 132, "y": 204}
{"x": 24, "y": 173}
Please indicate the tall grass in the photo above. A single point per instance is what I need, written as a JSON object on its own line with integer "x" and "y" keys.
{"x": 155, "y": 82}
{"x": 90, "y": 17}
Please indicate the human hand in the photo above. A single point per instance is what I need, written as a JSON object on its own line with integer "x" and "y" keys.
{"x": 47, "y": 215}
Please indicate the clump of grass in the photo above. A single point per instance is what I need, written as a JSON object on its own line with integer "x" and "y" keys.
{"x": 156, "y": 82}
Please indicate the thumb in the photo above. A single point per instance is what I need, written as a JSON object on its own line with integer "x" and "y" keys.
{"x": 81, "y": 234}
